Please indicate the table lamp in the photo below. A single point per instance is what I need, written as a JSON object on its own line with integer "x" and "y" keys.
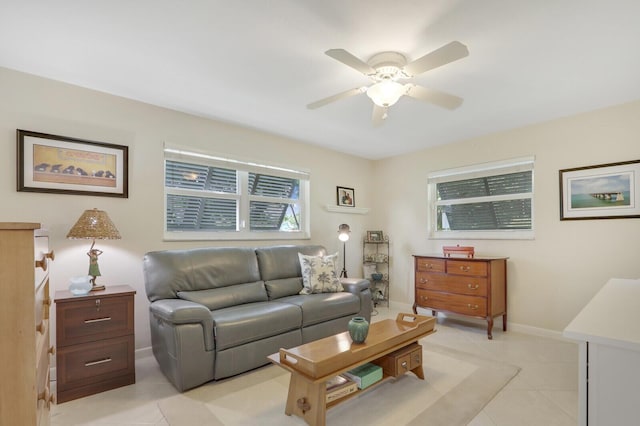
{"x": 94, "y": 225}
{"x": 343, "y": 235}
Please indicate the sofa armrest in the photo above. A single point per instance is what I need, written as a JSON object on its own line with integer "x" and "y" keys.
{"x": 360, "y": 287}
{"x": 177, "y": 311}
{"x": 355, "y": 285}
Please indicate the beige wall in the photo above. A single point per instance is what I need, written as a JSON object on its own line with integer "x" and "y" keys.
{"x": 37, "y": 104}
{"x": 552, "y": 277}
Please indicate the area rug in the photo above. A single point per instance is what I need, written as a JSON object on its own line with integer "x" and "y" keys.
{"x": 456, "y": 388}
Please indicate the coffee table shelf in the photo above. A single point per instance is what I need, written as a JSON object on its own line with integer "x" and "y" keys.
{"x": 313, "y": 364}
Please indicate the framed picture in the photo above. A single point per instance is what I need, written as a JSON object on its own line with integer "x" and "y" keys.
{"x": 346, "y": 196}
{"x": 375, "y": 236}
{"x": 63, "y": 165}
{"x": 606, "y": 191}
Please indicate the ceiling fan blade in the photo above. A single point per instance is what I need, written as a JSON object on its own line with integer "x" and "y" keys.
{"x": 349, "y": 60}
{"x": 337, "y": 97}
{"x": 379, "y": 115}
{"x": 442, "y": 56}
{"x": 441, "y": 99}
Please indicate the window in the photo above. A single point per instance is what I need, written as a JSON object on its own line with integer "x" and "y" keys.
{"x": 493, "y": 200}
{"x": 215, "y": 198}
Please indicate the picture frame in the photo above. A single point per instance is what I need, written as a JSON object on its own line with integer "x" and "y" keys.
{"x": 64, "y": 165}
{"x": 604, "y": 191}
{"x": 375, "y": 236}
{"x": 345, "y": 196}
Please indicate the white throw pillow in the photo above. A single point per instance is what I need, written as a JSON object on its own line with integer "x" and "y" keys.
{"x": 319, "y": 274}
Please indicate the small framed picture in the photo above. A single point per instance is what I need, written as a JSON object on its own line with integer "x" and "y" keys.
{"x": 346, "y": 196}
{"x": 64, "y": 165}
{"x": 375, "y": 236}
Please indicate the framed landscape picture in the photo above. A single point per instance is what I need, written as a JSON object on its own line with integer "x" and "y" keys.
{"x": 64, "y": 165}
{"x": 606, "y": 191}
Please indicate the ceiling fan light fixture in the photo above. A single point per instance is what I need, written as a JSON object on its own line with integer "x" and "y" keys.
{"x": 385, "y": 93}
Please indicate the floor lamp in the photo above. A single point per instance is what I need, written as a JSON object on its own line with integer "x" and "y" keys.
{"x": 343, "y": 235}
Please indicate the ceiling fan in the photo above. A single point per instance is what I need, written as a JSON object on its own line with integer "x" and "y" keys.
{"x": 387, "y": 68}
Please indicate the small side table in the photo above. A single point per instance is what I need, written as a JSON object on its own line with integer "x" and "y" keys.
{"x": 95, "y": 341}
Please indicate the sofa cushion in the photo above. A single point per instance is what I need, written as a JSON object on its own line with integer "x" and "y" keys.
{"x": 279, "y": 262}
{"x": 218, "y": 298}
{"x": 170, "y": 271}
{"x": 237, "y": 325}
{"x": 319, "y": 274}
{"x": 283, "y": 287}
{"x": 317, "y": 308}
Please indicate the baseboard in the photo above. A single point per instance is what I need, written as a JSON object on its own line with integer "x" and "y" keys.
{"x": 144, "y": 352}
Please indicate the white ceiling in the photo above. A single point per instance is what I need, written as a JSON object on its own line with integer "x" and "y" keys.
{"x": 258, "y": 63}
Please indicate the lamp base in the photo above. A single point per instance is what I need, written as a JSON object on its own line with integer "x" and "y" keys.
{"x": 98, "y": 288}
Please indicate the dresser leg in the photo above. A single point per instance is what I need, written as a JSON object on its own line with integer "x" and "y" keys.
{"x": 504, "y": 322}
{"x": 434, "y": 313}
{"x": 489, "y": 328}
{"x": 415, "y": 308}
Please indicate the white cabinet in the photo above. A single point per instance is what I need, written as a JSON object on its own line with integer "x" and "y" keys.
{"x": 608, "y": 329}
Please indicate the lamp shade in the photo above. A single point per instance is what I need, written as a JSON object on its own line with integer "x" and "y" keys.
{"x": 94, "y": 224}
{"x": 385, "y": 93}
{"x": 343, "y": 232}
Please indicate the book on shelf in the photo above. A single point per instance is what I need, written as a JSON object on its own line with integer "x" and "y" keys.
{"x": 365, "y": 375}
{"x": 339, "y": 387}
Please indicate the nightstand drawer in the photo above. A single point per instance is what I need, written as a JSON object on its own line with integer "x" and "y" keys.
{"x": 91, "y": 363}
{"x": 94, "y": 319}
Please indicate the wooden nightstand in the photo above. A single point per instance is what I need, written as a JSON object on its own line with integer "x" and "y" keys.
{"x": 95, "y": 341}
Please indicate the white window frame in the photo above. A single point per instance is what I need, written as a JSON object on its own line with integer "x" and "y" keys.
{"x": 474, "y": 171}
{"x": 244, "y": 167}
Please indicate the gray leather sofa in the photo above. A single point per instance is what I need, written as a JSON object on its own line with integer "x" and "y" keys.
{"x": 217, "y": 312}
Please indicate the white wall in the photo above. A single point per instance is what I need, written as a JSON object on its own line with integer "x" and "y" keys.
{"x": 552, "y": 277}
{"x": 41, "y": 105}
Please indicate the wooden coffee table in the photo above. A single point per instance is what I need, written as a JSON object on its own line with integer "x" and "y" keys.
{"x": 312, "y": 364}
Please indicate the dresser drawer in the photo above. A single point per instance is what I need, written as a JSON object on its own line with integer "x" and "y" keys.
{"x": 474, "y": 286}
{"x": 94, "y": 319}
{"x": 427, "y": 264}
{"x": 461, "y": 267}
{"x": 467, "y": 305}
{"x": 89, "y": 363}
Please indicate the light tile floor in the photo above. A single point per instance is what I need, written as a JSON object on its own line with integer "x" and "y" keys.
{"x": 545, "y": 392}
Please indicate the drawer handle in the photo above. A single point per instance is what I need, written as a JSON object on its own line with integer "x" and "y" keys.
{"x": 470, "y": 306}
{"x": 424, "y": 297}
{"x": 97, "y": 320}
{"x": 473, "y": 287}
{"x": 423, "y": 281}
{"x": 404, "y": 365}
{"x": 42, "y": 263}
{"x": 46, "y": 396}
{"x": 465, "y": 268}
{"x": 102, "y": 361}
{"x": 428, "y": 265}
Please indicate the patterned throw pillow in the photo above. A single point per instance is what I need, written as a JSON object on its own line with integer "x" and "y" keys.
{"x": 319, "y": 274}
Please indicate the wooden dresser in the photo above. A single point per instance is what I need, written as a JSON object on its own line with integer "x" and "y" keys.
{"x": 25, "y": 397}
{"x": 474, "y": 287}
{"x": 95, "y": 341}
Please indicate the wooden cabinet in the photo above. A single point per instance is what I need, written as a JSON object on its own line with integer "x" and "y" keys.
{"x": 468, "y": 286}
{"x": 25, "y": 396}
{"x": 95, "y": 341}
